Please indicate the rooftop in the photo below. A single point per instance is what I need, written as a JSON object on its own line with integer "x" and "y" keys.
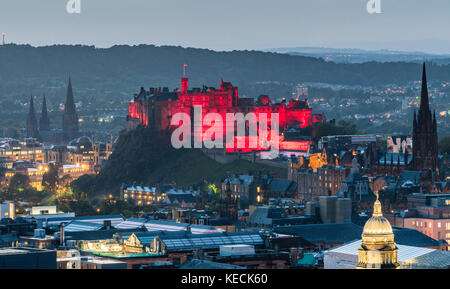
{"x": 407, "y": 255}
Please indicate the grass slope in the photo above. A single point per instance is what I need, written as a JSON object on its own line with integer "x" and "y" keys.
{"x": 192, "y": 166}
{"x": 141, "y": 156}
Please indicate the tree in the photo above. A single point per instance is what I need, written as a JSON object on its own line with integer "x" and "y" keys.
{"x": 50, "y": 178}
{"x": 65, "y": 181}
{"x": 19, "y": 182}
{"x": 83, "y": 185}
{"x": 341, "y": 128}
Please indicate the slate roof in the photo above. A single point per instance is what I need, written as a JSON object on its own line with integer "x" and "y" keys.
{"x": 76, "y": 226}
{"x": 183, "y": 241}
{"x": 97, "y": 235}
{"x": 260, "y": 216}
{"x": 346, "y": 232}
{"x": 141, "y": 189}
{"x": 268, "y": 216}
{"x": 210, "y": 241}
{"x": 411, "y": 237}
{"x": 281, "y": 185}
{"x": 434, "y": 260}
{"x": 412, "y": 176}
{"x": 56, "y": 221}
{"x": 330, "y": 233}
{"x": 187, "y": 198}
{"x": 244, "y": 179}
{"x": 158, "y": 225}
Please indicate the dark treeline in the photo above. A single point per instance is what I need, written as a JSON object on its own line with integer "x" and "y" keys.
{"x": 151, "y": 65}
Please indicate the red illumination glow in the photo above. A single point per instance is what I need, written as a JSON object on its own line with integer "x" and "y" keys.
{"x": 222, "y": 101}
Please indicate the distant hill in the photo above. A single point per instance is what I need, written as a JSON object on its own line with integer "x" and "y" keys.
{"x": 125, "y": 68}
{"x": 104, "y": 80}
{"x": 348, "y": 55}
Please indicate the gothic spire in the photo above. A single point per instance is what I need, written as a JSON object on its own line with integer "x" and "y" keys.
{"x": 70, "y": 117}
{"x": 424, "y": 105}
{"x": 32, "y": 128}
{"x": 44, "y": 122}
{"x": 424, "y": 132}
{"x": 70, "y": 103}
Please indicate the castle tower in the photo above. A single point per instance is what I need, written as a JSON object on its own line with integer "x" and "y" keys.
{"x": 44, "y": 122}
{"x": 425, "y": 140}
{"x": 378, "y": 249}
{"x": 70, "y": 117}
{"x": 32, "y": 127}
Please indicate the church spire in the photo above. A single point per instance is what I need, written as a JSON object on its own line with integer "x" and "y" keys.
{"x": 424, "y": 105}
{"x": 70, "y": 103}
{"x": 70, "y": 117}
{"x": 424, "y": 132}
{"x": 44, "y": 122}
{"x": 32, "y": 128}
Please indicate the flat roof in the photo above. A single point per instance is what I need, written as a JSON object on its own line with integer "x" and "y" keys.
{"x": 405, "y": 253}
{"x": 18, "y": 251}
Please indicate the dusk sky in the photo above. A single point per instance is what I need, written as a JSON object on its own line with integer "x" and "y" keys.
{"x": 415, "y": 25}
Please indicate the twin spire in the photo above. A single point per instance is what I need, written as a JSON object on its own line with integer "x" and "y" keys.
{"x": 32, "y": 124}
{"x": 70, "y": 118}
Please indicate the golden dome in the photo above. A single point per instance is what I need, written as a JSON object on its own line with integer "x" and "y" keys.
{"x": 378, "y": 249}
{"x": 377, "y": 224}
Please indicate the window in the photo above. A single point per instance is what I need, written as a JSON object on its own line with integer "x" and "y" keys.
{"x": 439, "y": 224}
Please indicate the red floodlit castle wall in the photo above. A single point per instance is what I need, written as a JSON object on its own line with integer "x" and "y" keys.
{"x": 222, "y": 101}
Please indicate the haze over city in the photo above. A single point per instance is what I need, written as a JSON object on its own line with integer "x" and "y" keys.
{"x": 408, "y": 25}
